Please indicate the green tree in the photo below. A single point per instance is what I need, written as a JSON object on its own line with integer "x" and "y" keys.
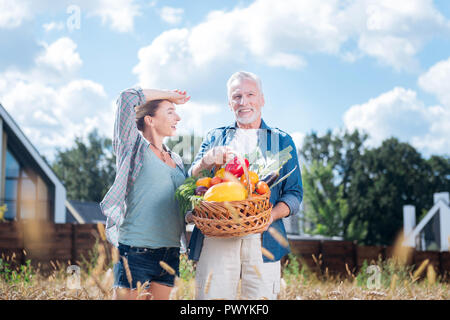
{"x": 440, "y": 178}
{"x": 373, "y": 183}
{"x": 388, "y": 177}
{"x": 325, "y": 206}
{"x": 332, "y": 160}
{"x": 87, "y": 170}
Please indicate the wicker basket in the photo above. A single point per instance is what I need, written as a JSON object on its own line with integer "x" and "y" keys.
{"x": 234, "y": 218}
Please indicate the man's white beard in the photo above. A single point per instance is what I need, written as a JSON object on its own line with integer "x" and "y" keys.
{"x": 245, "y": 120}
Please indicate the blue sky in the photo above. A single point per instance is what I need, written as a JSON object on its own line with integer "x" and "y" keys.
{"x": 380, "y": 66}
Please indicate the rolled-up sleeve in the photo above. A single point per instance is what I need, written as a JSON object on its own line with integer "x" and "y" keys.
{"x": 205, "y": 146}
{"x": 125, "y": 123}
{"x": 292, "y": 187}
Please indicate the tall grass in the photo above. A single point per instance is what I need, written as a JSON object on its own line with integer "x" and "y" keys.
{"x": 299, "y": 282}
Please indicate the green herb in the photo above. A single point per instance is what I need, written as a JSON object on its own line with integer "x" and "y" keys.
{"x": 206, "y": 173}
{"x": 185, "y": 195}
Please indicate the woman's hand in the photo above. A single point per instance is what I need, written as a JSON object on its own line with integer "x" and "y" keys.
{"x": 174, "y": 96}
{"x": 178, "y": 97}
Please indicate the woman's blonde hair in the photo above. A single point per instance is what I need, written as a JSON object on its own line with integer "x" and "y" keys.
{"x": 147, "y": 109}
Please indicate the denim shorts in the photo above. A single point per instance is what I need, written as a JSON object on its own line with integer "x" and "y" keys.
{"x": 144, "y": 266}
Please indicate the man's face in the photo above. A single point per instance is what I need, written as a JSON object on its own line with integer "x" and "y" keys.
{"x": 246, "y": 101}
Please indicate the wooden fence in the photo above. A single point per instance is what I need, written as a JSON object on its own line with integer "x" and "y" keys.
{"x": 69, "y": 243}
{"x": 45, "y": 242}
{"x": 347, "y": 256}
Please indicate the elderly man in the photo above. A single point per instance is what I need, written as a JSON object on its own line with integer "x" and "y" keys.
{"x": 223, "y": 262}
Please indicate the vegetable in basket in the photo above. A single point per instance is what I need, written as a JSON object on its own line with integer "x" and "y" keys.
{"x": 271, "y": 178}
{"x": 226, "y": 191}
{"x": 235, "y": 167}
{"x": 185, "y": 195}
{"x": 219, "y": 188}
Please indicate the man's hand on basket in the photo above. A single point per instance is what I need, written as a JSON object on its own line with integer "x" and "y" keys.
{"x": 268, "y": 224}
{"x": 279, "y": 211}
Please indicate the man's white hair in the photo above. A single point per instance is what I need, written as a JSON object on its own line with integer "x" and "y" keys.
{"x": 240, "y": 75}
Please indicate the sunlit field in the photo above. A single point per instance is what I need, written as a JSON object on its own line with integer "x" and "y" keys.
{"x": 93, "y": 281}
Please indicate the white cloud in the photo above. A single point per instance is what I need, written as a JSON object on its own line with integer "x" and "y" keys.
{"x": 52, "y": 112}
{"x": 401, "y": 114}
{"x": 171, "y": 15}
{"x": 193, "y": 116}
{"x": 261, "y": 31}
{"x": 288, "y": 61}
{"x": 119, "y": 14}
{"x": 53, "y": 26}
{"x": 13, "y": 13}
{"x": 281, "y": 34}
{"x": 395, "y": 31}
{"x": 394, "y": 51}
{"x": 166, "y": 61}
{"x": 436, "y": 140}
{"x": 437, "y": 81}
{"x": 61, "y": 56}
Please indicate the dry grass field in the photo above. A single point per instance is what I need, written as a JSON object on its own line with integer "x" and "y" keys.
{"x": 386, "y": 280}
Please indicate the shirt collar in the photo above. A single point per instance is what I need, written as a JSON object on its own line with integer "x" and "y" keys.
{"x": 262, "y": 126}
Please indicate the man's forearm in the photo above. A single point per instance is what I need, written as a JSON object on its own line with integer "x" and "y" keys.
{"x": 281, "y": 210}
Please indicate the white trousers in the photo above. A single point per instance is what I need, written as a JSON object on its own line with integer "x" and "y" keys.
{"x": 223, "y": 262}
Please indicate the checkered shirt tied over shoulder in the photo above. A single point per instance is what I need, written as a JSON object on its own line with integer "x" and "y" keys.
{"x": 128, "y": 147}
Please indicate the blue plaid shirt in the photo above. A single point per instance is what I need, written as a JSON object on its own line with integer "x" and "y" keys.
{"x": 290, "y": 191}
{"x": 129, "y": 146}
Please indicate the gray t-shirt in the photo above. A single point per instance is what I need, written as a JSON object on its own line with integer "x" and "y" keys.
{"x": 153, "y": 219}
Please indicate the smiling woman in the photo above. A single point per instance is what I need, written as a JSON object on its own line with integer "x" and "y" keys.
{"x": 142, "y": 216}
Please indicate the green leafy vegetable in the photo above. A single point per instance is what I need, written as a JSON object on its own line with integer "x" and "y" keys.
{"x": 185, "y": 195}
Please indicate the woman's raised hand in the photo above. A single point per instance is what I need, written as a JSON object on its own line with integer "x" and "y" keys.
{"x": 178, "y": 96}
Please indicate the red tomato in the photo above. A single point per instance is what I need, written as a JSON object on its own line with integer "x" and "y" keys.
{"x": 215, "y": 180}
{"x": 262, "y": 187}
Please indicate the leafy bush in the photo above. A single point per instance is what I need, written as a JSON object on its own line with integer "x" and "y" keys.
{"x": 20, "y": 274}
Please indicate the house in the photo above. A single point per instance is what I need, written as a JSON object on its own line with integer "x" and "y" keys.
{"x": 84, "y": 212}
{"x": 29, "y": 187}
{"x": 433, "y": 231}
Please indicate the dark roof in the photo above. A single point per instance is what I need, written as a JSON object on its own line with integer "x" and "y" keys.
{"x": 89, "y": 211}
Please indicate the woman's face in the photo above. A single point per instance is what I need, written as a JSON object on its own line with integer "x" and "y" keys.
{"x": 165, "y": 119}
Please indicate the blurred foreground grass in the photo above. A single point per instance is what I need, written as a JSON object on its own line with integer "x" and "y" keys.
{"x": 93, "y": 279}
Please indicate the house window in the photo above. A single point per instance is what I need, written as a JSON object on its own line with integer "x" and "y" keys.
{"x": 12, "y": 175}
{"x": 26, "y": 194}
{"x": 430, "y": 235}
